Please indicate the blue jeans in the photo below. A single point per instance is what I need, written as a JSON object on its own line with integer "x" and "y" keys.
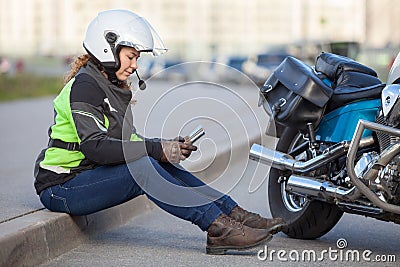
{"x": 108, "y": 186}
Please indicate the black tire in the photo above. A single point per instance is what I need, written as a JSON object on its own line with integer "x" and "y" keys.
{"x": 314, "y": 219}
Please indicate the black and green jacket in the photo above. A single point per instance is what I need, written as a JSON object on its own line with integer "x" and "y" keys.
{"x": 96, "y": 114}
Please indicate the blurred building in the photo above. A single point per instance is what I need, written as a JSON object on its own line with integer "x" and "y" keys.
{"x": 195, "y": 29}
{"x": 382, "y": 23}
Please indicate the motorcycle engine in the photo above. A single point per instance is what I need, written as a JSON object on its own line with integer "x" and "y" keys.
{"x": 390, "y": 181}
{"x": 384, "y": 139}
{"x": 390, "y": 176}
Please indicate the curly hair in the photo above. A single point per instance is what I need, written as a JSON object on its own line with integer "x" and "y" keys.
{"x": 81, "y": 61}
{"x": 77, "y": 63}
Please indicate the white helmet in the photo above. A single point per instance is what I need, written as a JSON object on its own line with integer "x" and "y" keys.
{"x": 112, "y": 29}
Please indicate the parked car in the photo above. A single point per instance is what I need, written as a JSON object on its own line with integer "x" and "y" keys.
{"x": 260, "y": 67}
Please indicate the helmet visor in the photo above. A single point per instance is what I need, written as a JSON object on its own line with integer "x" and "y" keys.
{"x": 140, "y": 35}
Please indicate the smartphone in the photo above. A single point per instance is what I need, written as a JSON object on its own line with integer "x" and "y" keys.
{"x": 196, "y": 134}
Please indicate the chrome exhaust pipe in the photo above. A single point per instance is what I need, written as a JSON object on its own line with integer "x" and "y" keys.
{"x": 284, "y": 161}
{"x": 271, "y": 157}
{"x": 307, "y": 186}
{"x": 327, "y": 191}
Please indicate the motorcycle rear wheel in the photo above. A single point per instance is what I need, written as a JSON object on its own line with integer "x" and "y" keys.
{"x": 306, "y": 219}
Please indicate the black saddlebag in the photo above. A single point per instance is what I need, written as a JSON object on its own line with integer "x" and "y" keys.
{"x": 295, "y": 95}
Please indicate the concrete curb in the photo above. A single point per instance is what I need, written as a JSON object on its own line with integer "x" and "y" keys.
{"x": 43, "y": 235}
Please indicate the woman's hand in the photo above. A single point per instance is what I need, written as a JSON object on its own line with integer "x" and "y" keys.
{"x": 187, "y": 148}
{"x": 175, "y": 151}
{"x": 171, "y": 152}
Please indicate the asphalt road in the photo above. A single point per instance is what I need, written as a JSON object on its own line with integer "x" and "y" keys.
{"x": 23, "y": 134}
{"x": 159, "y": 239}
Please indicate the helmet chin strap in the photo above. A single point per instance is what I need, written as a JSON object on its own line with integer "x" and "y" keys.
{"x": 111, "y": 75}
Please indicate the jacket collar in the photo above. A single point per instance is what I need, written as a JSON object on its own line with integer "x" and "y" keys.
{"x": 92, "y": 70}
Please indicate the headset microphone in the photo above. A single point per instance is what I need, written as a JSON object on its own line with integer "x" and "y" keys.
{"x": 142, "y": 84}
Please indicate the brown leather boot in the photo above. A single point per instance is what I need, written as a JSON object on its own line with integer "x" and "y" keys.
{"x": 254, "y": 220}
{"x": 226, "y": 234}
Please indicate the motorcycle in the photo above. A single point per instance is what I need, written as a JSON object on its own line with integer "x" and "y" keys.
{"x": 339, "y": 143}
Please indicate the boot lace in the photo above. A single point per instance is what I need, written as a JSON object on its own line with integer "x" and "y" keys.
{"x": 228, "y": 220}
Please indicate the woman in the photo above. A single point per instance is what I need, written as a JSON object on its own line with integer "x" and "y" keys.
{"x": 96, "y": 160}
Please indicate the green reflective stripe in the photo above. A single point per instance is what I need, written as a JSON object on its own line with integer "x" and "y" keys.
{"x": 134, "y": 137}
{"x": 62, "y": 158}
{"x": 106, "y": 121}
{"x": 64, "y": 127}
{"x": 98, "y": 122}
{"x": 56, "y": 159}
